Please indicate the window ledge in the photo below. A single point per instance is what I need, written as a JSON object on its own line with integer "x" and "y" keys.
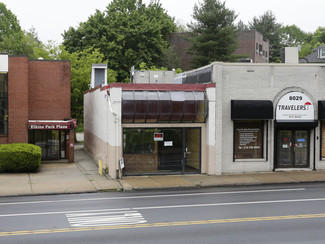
{"x": 251, "y": 160}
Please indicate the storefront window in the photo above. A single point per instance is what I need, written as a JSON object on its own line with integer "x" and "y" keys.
{"x": 3, "y": 104}
{"x": 138, "y": 141}
{"x": 248, "y": 139}
{"x": 161, "y": 150}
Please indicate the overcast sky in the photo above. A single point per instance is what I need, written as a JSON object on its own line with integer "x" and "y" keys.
{"x": 51, "y": 18}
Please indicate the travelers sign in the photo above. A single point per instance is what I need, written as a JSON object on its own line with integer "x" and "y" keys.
{"x": 295, "y": 106}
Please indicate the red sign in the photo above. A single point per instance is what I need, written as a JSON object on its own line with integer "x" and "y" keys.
{"x": 158, "y": 137}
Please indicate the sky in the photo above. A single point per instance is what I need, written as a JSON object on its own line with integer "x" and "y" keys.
{"x": 51, "y": 18}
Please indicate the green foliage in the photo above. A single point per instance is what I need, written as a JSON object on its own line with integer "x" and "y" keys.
{"x": 213, "y": 35}
{"x": 13, "y": 40}
{"x": 318, "y": 36}
{"x": 170, "y": 58}
{"x": 143, "y": 66}
{"x": 292, "y": 35}
{"x": 19, "y": 157}
{"x": 127, "y": 33}
{"x": 241, "y": 26}
{"x": 306, "y": 49}
{"x": 12, "y": 36}
{"x": 81, "y": 63}
{"x": 267, "y": 25}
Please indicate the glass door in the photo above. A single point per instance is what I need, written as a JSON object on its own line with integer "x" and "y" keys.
{"x": 171, "y": 150}
{"x": 192, "y": 154}
{"x": 49, "y": 142}
{"x": 293, "y": 149}
{"x": 53, "y": 144}
{"x": 181, "y": 150}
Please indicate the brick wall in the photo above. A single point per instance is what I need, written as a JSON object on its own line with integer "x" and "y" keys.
{"x": 70, "y": 147}
{"x": 17, "y": 99}
{"x": 49, "y": 90}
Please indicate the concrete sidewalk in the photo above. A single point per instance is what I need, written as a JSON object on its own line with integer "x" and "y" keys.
{"x": 82, "y": 176}
{"x": 59, "y": 177}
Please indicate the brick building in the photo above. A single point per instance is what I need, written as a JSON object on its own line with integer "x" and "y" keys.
{"x": 35, "y": 105}
{"x": 250, "y": 43}
{"x": 253, "y": 44}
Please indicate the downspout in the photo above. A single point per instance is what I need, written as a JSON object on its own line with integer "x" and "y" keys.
{"x": 116, "y": 119}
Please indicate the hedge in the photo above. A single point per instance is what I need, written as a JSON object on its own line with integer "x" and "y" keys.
{"x": 19, "y": 157}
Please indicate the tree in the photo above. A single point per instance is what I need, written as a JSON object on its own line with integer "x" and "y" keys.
{"x": 127, "y": 33}
{"x": 266, "y": 24}
{"x": 9, "y": 23}
{"x": 213, "y": 34}
{"x": 14, "y": 40}
{"x": 81, "y": 63}
{"x": 319, "y": 36}
{"x": 170, "y": 59}
{"x": 292, "y": 35}
{"x": 12, "y": 35}
{"x": 241, "y": 26}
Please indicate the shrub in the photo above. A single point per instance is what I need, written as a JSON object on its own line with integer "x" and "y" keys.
{"x": 19, "y": 157}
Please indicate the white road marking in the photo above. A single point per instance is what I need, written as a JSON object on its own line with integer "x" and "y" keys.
{"x": 230, "y": 203}
{"x": 105, "y": 218}
{"x": 62, "y": 212}
{"x": 152, "y": 196}
{"x": 172, "y": 206}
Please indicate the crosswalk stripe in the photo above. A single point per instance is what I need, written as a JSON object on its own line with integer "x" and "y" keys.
{"x": 105, "y": 218}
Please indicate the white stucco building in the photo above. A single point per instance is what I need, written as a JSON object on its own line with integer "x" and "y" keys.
{"x": 226, "y": 118}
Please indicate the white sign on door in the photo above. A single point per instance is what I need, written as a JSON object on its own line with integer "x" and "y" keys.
{"x": 295, "y": 106}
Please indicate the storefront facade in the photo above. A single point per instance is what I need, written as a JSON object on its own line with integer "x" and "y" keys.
{"x": 259, "y": 118}
{"x": 149, "y": 129}
{"x": 274, "y": 117}
{"x": 35, "y": 105}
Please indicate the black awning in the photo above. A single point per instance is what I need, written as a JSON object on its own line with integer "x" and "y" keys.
{"x": 288, "y": 124}
{"x": 321, "y": 110}
{"x": 251, "y": 109}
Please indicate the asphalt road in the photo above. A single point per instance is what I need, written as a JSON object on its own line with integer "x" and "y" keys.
{"x": 262, "y": 214}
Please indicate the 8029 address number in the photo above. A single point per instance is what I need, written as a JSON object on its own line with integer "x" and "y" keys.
{"x": 295, "y": 98}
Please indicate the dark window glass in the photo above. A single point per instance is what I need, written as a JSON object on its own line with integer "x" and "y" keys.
{"x": 3, "y": 104}
{"x": 177, "y": 112}
{"x": 177, "y": 106}
{"x": 248, "y": 139}
{"x": 199, "y": 107}
{"x": 153, "y": 110}
{"x": 189, "y": 107}
{"x": 138, "y": 141}
{"x": 140, "y": 107}
{"x": 165, "y": 107}
{"x": 99, "y": 76}
{"x": 128, "y": 107}
{"x": 189, "y": 111}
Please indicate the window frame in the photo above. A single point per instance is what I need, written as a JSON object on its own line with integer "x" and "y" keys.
{"x": 322, "y": 52}
{"x": 4, "y": 110}
{"x": 264, "y": 141}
